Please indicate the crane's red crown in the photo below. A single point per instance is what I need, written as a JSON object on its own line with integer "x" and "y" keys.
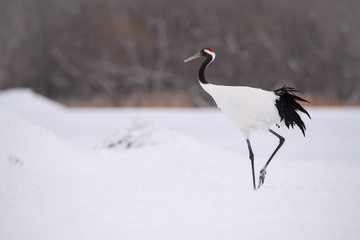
{"x": 209, "y": 48}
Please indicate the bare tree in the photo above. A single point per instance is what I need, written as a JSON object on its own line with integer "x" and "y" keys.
{"x": 124, "y": 50}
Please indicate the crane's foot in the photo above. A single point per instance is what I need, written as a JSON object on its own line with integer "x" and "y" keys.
{"x": 262, "y": 177}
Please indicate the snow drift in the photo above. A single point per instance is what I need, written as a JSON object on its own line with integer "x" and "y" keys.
{"x": 167, "y": 177}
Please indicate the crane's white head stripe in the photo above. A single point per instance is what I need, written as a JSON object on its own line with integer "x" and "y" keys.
{"x": 210, "y": 53}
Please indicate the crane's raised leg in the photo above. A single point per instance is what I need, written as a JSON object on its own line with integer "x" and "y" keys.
{"x": 251, "y": 156}
{"x": 263, "y": 170}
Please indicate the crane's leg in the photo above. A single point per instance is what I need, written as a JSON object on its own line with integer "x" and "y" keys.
{"x": 263, "y": 170}
{"x": 251, "y": 156}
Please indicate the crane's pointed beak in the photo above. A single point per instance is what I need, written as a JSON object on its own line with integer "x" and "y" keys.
{"x": 193, "y": 57}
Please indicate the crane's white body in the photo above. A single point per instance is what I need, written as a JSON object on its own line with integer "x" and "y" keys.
{"x": 248, "y": 108}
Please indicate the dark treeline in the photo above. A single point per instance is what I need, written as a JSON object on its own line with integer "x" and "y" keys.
{"x": 131, "y": 52}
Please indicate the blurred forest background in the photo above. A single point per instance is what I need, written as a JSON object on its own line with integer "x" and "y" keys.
{"x": 131, "y": 52}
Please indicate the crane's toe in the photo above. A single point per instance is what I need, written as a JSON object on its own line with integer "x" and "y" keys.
{"x": 262, "y": 177}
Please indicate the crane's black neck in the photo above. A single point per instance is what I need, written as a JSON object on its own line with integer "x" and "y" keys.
{"x": 203, "y": 68}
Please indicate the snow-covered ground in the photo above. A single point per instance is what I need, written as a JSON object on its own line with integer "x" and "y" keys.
{"x": 171, "y": 174}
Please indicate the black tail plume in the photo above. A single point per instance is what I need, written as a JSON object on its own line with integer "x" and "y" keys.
{"x": 288, "y": 106}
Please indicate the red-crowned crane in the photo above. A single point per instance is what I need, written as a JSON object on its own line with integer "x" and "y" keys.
{"x": 251, "y": 109}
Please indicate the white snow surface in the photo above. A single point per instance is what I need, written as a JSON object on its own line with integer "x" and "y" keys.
{"x": 125, "y": 173}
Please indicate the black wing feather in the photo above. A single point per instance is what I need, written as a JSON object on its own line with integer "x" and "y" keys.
{"x": 288, "y": 106}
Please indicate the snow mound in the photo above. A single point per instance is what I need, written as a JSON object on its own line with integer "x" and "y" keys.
{"x": 143, "y": 133}
{"x": 18, "y": 99}
{"x": 38, "y": 151}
